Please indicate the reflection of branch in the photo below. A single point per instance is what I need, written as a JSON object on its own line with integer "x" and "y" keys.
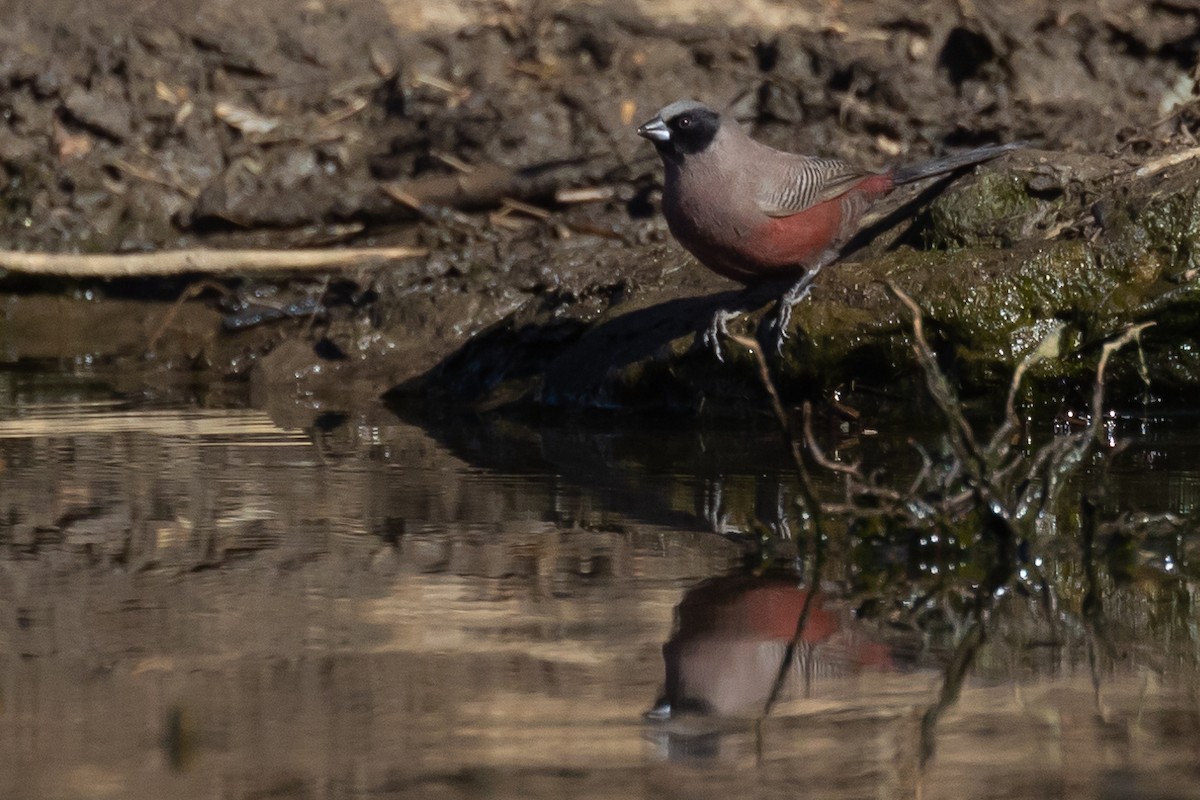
{"x": 812, "y": 505}
{"x": 808, "y": 490}
{"x": 995, "y": 515}
{"x": 857, "y": 484}
{"x": 956, "y": 672}
{"x": 1093, "y": 603}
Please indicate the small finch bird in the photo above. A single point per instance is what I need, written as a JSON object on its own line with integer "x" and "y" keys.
{"x": 756, "y": 214}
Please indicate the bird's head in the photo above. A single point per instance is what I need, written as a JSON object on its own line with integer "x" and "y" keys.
{"x": 684, "y": 128}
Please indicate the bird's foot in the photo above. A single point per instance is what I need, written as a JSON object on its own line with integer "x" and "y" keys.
{"x": 718, "y": 329}
{"x": 783, "y": 318}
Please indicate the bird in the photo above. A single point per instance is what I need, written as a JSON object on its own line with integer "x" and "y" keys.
{"x": 757, "y": 215}
{"x": 732, "y": 637}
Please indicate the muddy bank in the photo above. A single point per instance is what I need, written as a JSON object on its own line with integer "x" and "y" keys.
{"x": 501, "y": 140}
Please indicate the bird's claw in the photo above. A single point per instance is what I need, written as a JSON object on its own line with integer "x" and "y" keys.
{"x": 717, "y": 329}
{"x": 783, "y": 319}
{"x": 782, "y": 322}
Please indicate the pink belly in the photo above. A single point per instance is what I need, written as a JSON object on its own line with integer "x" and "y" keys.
{"x": 786, "y": 247}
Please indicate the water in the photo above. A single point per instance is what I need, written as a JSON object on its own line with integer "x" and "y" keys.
{"x": 203, "y": 603}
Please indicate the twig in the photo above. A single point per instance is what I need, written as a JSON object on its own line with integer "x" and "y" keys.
{"x": 1061, "y": 468}
{"x": 452, "y": 161}
{"x": 1048, "y": 348}
{"x": 808, "y": 490}
{"x": 157, "y": 422}
{"x": 489, "y": 185}
{"x": 926, "y": 469}
{"x": 525, "y": 208}
{"x": 342, "y": 114}
{"x": 1129, "y": 335}
{"x": 962, "y": 437}
{"x": 312, "y": 317}
{"x": 818, "y": 455}
{"x": 455, "y": 95}
{"x": 589, "y": 194}
{"x": 149, "y": 177}
{"x": 1157, "y": 165}
{"x": 181, "y": 262}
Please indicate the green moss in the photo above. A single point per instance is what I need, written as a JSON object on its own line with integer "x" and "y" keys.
{"x": 1160, "y": 231}
{"x": 994, "y": 209}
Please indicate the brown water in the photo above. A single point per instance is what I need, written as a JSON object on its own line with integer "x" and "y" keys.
{"x": 201, "y": 603}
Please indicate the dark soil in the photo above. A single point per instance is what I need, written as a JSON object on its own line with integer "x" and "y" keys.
{"x": 130, "y": 126}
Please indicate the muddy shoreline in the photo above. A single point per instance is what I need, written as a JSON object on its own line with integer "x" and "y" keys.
{"x": 499, "y": 138}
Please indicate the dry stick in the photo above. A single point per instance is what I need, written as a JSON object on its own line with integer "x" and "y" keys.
{"x": 812, "y": 504}
{"x": 110, "y": 418}
{"x": 926, "y": 468}
{"x": 149, "y": 177}
{"x": 808, "y": 490}
{"x": 818, "y": 454}
{"x": 997, "y": 520}
{"x": 985, "y": 495}
{"x": 180, "y": 262}
{"x": 962, "y": 437}
{"x": 1066, "y": 459}
{"x": 586, "y": 194}
{"x": 1157, "y": 165}
{"x": 1130, "y": 334}
{"x": 1047, "y": 349}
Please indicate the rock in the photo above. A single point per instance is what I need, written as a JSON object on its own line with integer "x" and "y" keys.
{"x": 106, "y": 115}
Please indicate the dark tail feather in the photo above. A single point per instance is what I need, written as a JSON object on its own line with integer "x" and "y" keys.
{"x": 942, "y": 166}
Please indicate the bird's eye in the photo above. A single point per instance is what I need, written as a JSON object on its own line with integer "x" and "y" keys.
{"x": 685, "y": 122}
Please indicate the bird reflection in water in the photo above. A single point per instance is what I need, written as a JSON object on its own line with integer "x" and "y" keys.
{"x": 731, "y": 639}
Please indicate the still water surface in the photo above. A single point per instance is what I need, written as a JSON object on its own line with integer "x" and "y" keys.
{"x": 204, "y": 603}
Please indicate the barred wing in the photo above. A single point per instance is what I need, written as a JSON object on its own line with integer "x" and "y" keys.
{"x": 806, "y": 183}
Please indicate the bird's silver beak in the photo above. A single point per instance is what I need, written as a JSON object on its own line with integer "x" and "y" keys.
{"x": 655, "y": 130}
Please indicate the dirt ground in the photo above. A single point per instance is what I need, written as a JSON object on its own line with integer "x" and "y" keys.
{"x": 499, "y": 136}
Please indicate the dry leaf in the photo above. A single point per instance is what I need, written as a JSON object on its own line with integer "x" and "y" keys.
{"x": 243, "y": 119}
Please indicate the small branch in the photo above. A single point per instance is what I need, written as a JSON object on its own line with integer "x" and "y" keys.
{"x": 587, "y": 194}
{"x": 926, "y": 469}
{"x": 960, "y": 664}
{"x": 1049, "y": 348}
{"x": 489, "y": 185}
{"x": 818, "y": 454}
{"x": 1129, "y": 335}
{"x": 808, "y": 491}
{"x": 149, "y": 177}
{"x": 181, "y": 262}
{"x": 961, "y": 435}
{"x": 1157, "y": 165}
